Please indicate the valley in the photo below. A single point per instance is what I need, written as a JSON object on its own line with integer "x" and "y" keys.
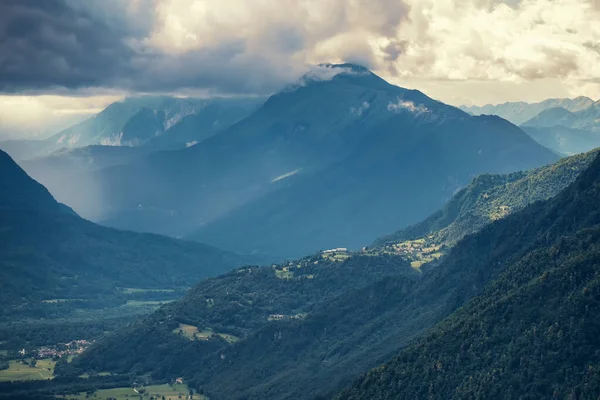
{"x": 228, "y": 220}
{"x": 285, "y": 306}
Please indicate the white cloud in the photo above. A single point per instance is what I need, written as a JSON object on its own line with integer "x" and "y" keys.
{"x": 449, "y": 48}
{"x": 425, "y": 39}
{"x": 358, "y": 111}
{"x": 409, "y": 106}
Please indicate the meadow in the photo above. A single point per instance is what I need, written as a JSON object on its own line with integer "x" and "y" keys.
{"x": 17, "y": 371}
{"x": 168, "y": 392}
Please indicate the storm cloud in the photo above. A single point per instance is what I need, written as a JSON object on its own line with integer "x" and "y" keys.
{"x": 48, "y": 43}
{"x": 53, "y": 44}
{"x": 257, "y": 47}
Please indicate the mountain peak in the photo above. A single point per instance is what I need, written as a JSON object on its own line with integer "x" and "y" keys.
{"x": 345, "y": 72}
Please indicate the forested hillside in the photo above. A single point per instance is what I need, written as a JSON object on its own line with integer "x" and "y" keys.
{"x": 533, "y": 332}
{"x": 490, "y": 197}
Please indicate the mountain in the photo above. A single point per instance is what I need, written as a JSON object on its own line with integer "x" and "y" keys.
{"x": 48, "y": 252}
{"x": 215, "y": 116}
{"x": 533, "y": 330}
{"x": 156, "y": 122}
{"x": 491, "y": 197}
{"x": 553, "y": 117}
{"x": 520, "y": 112}
{"x": 327, "y": 162}
{"x": 586, "y": 119}
{"x": 272, "y": 333}
{"x": 136, "y": 121}
{"x": 567, "y": 126}
{"x": 77, "y": 166}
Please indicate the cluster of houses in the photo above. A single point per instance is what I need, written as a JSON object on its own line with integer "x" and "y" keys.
{"x": 280, "y": 317}
{"x": 336, "y": 250}
{"x": 73, "y": 347}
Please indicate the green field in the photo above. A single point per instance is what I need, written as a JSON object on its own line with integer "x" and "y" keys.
{"x": 139, "y": 290}
{"x": 175, "y": 392}
{"x": 138, "y": 303}
{"x": 22, "y": 372}
{"x": 54, "y": 301}
{"x": 86, "y": 376}
{"x": 192, "y": 333}
{"x": 284, "y": 273}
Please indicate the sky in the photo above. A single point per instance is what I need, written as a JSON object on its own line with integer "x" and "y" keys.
{"x": 63, "y": 60}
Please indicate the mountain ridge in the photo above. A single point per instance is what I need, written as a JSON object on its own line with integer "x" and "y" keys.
{"x": 489, "y": 197}
{"x": 548, "y": 319}
{"x": 520, "y": 112}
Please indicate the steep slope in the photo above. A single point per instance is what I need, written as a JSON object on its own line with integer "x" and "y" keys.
{"x": 533, "y": 332}
{"x": 491, "y": 197}
{"x": 214, "y": 117}
{"x": 564, "y": 140}
{"x": 69, "y": 173}
{"x": 105, "y": 127}
{"x": 48, "y": 252}
{"x": 520, "y": 112}
{"x": 343, "y": 151}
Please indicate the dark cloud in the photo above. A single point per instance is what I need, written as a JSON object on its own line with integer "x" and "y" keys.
{"x": 394, "y": 49}
{"x": 56, "y": 44}
{"x": 46, "y": 43}
{"x": 595, "y": 46}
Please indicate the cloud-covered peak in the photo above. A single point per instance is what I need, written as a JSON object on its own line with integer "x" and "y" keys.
{"x": 347, "y": 68}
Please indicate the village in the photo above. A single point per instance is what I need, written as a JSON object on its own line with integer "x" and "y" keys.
{"x": 72, "y": 348}
{"x": 418, "y": 252}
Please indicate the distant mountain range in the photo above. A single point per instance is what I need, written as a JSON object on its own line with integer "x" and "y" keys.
{"x": 138, "y": 121}
{"x": 567, "y": 126}
{"x": 521, "y": 112}
{"x": 324, "y": 163}
{"x": 588, "y": 118}
{"x": 304, "y": 329}
{"x": 48, "y": 252}
{"x": 566, "y": 131}
{"x": 155, "y": 122}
